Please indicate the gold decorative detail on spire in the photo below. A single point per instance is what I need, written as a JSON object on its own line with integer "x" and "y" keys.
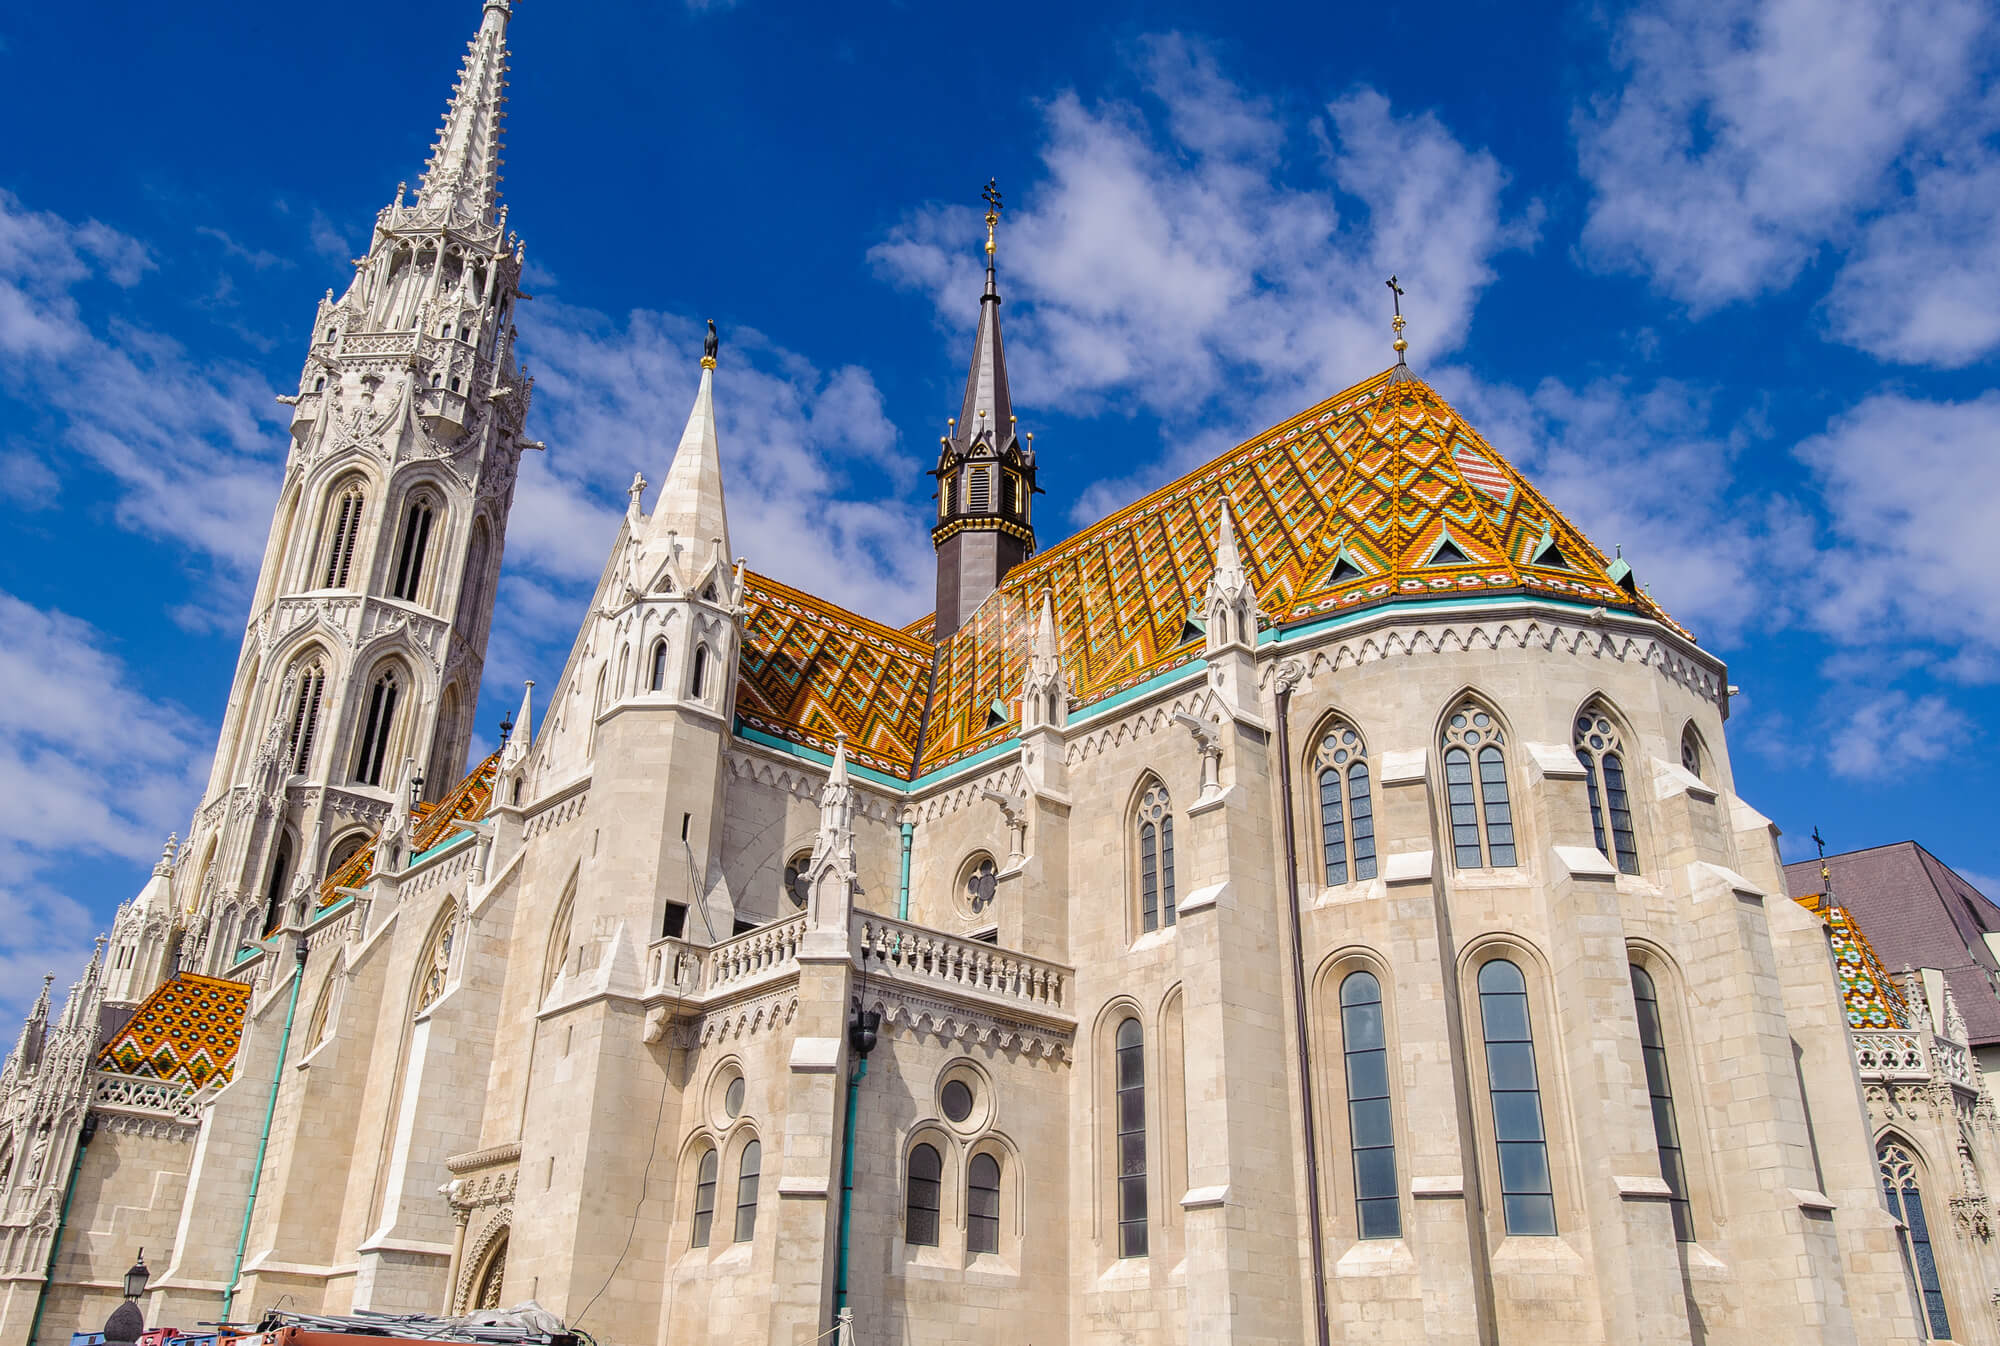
{"x": 710, "y": 346}
{"x": 992, "y": 198}
{"x": 1399, "y": 345}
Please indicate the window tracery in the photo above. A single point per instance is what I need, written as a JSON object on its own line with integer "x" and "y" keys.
{"x": 1156, "y": 858}
{"x": 344, "y": 513}
{"x": 1903, "y": 1192}
{"x": 1475, "y": 778}
{"x": 417, "y": 522}
{"x": 305, "y": 715}
{"x": 1599, "y": 749}
{"x": 436, "y": 964}
{"x": 374, "y": 746}
{"x": 798, "y": 879}
{"x": 1346, "y": 806}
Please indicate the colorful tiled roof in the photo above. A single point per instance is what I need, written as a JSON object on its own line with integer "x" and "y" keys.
{"x": 1872, "y": 997}
{"x": 185, "y": 1032}
{"x": 811, "y": 670}
{"x": 1380, "y": 494}
{"x": 468, "y": 801}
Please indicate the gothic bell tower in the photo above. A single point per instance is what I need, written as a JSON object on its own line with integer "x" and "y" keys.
{"x": 360, "y": 667}
{"x": 985, "y": 471}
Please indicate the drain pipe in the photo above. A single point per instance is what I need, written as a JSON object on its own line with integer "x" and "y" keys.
{"x": 62, "y": 1222}
{"x": 863, "y": 1027}
{"x": 264, "y": 1138}
{"x": 903, "y": 898}
{"x": 1287, "y": 677}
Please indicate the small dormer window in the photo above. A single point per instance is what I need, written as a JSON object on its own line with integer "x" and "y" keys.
{"x": 319, "y": 384}
{"x": 454, "y": 385}
{"x": 331, "y": 334}
{"x": 445, "y": 330}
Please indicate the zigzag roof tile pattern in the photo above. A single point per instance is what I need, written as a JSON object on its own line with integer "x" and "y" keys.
{"x": 186, "y": 1032}
{"x": 1382, "y": 493}
{"x": 467, "y": 802}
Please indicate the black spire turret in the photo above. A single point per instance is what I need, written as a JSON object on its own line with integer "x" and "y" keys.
{"x": 985, "y": 471}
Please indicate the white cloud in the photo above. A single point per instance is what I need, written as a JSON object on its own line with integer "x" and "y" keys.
{"x": 91, "y": 767}
{"x": 193, "y": 445}
{"x": 327, "y": 239}
{"x": 1893, "y": 732}
{"x": 1171, "y": 261}
{"x": 1749, "y": 133}
{"x": 1908, "y": 485}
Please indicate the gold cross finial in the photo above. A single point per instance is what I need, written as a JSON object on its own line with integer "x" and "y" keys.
{"x": 1400, "y": 345}
{"x": 992, "y": 198}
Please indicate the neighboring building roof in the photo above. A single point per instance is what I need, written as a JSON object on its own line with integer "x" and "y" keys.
{"x": 1920, "y": 914}
{"x": 185, "y": 1032}
{"x": 1380, "y": 494}
{"x": 467, "y": 802}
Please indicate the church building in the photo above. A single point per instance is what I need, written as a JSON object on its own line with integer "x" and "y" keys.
{"x": 1311, "y": 904}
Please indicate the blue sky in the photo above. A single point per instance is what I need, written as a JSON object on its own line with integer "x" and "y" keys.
{"x": 1719, "y": 276}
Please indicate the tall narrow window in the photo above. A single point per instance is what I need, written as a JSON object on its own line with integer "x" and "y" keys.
{"x": 374, "y": 746}
{"x": 658, "y": 680}
{"x": 1156, "y": 859}
{"x": 1346, "y": 808}
{"x": 1475, "y": 782}
{"x": 434, "y": 972}
{"x": 949, "y": 505}
{"x": 698, "y": 683}
{"x": 982, "y": 1204}
{"x": 1906, "y": 1203}
{"x": 1527, "y": 1197}
{"x": 344, "y": 516}
{"x": 274, "y": 887}
{"x": 1131, "y": 1057}
{"x": 1666, "y": 1128}
{"x": 1598, "y": 748}
{"x": 305, "y": 715}
{"x": 978, "y": 491}
{"x": 416, "y": 544}
{"x": 747, "y": 1173}
{"x": 472, "y": 587}
{"x": 704, "y": 1196}
{"x": 1010, "y": 493}
{"x": 1370, "y": 1127}
{"x": 1691, "y": 752}
{"x": 921, "y": 1213}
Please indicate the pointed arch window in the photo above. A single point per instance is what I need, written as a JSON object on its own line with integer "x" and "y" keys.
{"x": 1527, "y": 1195}
{"x": 1659, "y": 1084}
{"x": 343, "y": 535}
{"x": 1691, "y": 752}
{"x": 1601, "y": 751}
{"x": 658, "y": 681}
{"x": 704, "y": 1196}
{"x": 274, "y": 884}
{"x": 305, "y": 715}
{"x": 698, "y": 681}
{"x": 1130, "y": 1060}
{"x": 416, "y": 543}
{"x": 1346, "y": 807}
{"x": 1370, "y": 1125}
{"x": 1475, "y": 782}
{"x": 472, "y": 590}
{"x": 1904, "y": 1195}
{"x": 1156, "y": 859}
{"x": 436, "y": 964}
{"x": 920, "y": 1221}
{"x": 982, "y": 1204}
{"x": 374, "y": 746}
{"x": 747, "y": 1174}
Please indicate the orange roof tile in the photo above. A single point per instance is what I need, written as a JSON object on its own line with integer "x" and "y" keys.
{"x": 468, "y": 800}
{"x": 186, "y": 1032}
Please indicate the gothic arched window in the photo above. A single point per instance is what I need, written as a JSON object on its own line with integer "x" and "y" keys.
{"x": 305, "y": 715}
{"x": 343, "y": 535}
{"x": 343, "y": 851}
{"x": 1475, "y": 782}
{"x": 1527, "y": 1195}
{"x": 698, "y": 681}
{"x": 1666, "y": 1128}
{"x": 416, "y": 543}
{"x": 472, "y": 588}
{"x": 1131, "y": 1113}
{"x": 747, "y": 1172}
{"x": 704, "y": 1196}
{"x": 920, "y": 1217}
{"x": 1599, "y": 749}
{"x": 373, "y": 749}
{"x": 434, "y": 968}
{"x": 1691, "y": 752}
{"x": 1156, "y": 858}
{"x": 274, "y": 883}
{"x": 797, "y": 879}
{"x": 982, "y": 1204}
{"x": 1346, "y": 808}
{"x": 1371, "y": 1129}
{"x": 1906, "y": 1202}
{"x": 658, "y": 681}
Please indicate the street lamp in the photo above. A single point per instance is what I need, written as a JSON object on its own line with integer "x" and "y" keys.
{"x": 126, "y": 1322}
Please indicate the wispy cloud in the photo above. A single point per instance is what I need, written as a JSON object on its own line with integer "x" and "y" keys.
{"x": 1894, "y": 733}
{"x": 1174, "y": 260}
{"x": 1749, "y": 135}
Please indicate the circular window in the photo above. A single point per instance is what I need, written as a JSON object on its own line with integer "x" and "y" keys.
{"x": 956, "y": 1100}
{"x": 796, "y": 879}
{"x": 965, "y": 1097}
{"x": 732, "y": 1099}
{"x": 979, "y": 884}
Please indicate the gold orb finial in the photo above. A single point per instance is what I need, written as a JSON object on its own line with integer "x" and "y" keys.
{"x": 992, "y": 198}
{"x": 1399, "y": 345}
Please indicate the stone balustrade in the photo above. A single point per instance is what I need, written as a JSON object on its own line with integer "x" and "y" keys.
{"x": 677, "y": 968}
{"x": 1894, "y": 1054}
{"x": 951, "y": 964}
{"x": 158, "y": 1096}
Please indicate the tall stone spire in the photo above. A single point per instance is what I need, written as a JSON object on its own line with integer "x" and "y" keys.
{"x": 985, "y": 471}
{"x": 690, "y": 501}
{"x": 464, "y": 169}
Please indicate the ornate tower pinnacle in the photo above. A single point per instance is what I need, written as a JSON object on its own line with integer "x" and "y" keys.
{"x": 463, "y": 175}
{"x": 985, "y": 471}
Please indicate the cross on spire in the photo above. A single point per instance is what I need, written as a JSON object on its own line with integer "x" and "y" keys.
{"x": 1396, "y": 298}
